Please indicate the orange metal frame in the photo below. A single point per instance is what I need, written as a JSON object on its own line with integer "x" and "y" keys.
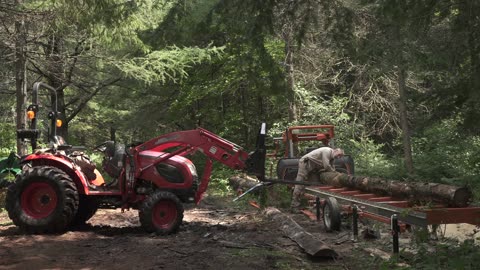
{"x": 323, "y": 133}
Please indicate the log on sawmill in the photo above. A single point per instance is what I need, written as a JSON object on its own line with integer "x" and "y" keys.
{"x": 308, "y": 242}
{"x": 414, "y": 192}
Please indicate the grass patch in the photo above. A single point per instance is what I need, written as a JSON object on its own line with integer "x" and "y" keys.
{"x": 3, "y": 194}
{"x": 6, "y": 224}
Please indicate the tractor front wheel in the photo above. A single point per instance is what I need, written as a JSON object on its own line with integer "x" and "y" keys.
{"x": 161, "y": 213}
{"x": 43, "y": 199}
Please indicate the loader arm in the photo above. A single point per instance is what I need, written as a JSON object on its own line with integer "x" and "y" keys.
{"x": 212, "y": 146}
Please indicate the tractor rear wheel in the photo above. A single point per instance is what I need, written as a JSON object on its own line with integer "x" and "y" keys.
{"x": 43, "y": 199}
{"x": 161, "y": 213}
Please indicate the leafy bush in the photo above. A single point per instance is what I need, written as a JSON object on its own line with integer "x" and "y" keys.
{"x": 443, "y": 153}
{"x": 369, "y": 159}
{"x": 218, "y": 184}
{"x": 463, "y": 255}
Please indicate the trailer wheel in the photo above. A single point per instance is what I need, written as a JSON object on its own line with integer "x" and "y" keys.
{"x": 161, "y": 213}
{"x": 331, "y": 215}
{"x": 43, "y": 199}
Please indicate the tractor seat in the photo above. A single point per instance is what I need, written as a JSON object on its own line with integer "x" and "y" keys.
{"x": 59, "y": 140}
{"x": 62, "y": 145}
{"x": 113, "y": 163}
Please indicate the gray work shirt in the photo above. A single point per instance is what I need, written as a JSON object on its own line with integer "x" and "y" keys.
{"x": 321, "y": 158}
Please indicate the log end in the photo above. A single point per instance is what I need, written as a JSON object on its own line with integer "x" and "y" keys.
{"x": 325, "y": 252}
{"x": 462, "y": 197}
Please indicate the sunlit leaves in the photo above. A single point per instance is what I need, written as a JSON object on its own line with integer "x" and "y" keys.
{"x": 168, "y": 64}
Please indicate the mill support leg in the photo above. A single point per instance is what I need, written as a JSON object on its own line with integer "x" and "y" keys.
{"x": 395, "y": 232}
{"x": 355, "y": 223}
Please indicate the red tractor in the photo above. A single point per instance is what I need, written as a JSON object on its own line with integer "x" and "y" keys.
{"x": 59, "y": 187}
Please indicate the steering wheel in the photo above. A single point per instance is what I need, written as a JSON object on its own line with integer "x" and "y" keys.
{"x": 101, "y": 147}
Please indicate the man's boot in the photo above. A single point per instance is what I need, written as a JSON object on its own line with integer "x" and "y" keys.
{"x": 295, "y": 204}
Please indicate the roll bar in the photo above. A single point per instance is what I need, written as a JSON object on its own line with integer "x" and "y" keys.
{"x": 32, "y": 132}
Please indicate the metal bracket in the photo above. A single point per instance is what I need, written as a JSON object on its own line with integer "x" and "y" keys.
{"x": 257, "y": 186}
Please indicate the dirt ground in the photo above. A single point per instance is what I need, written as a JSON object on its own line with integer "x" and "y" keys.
{"x": 217, "y": 234}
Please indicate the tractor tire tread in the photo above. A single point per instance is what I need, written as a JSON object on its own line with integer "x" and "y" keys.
{"x": 145, "y": 212}
{"x": 65, "y": 211}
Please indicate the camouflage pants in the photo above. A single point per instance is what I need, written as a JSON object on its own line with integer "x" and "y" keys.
{"x": 305, "y": 167}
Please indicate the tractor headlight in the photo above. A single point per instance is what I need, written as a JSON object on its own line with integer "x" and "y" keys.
{"x": 192, "y": 169}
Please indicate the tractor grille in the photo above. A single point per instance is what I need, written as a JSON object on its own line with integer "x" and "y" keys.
{"x": 195, "y": 183}
{"x": 170, "y": 173}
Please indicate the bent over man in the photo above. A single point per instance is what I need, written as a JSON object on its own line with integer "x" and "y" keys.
{"x": 318, "y": 160}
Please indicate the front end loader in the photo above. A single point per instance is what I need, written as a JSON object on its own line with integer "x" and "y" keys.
{"x": 59, "y": 187}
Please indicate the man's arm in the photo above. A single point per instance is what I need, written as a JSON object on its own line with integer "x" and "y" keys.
{"x": 327, "y": 157}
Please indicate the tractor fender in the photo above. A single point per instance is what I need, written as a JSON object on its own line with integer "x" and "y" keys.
{"x": 62, "y": 163}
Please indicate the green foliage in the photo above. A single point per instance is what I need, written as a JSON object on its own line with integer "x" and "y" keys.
{"x": 448, "y": 255}
{"x": 114, "y": 23}
{"x": 7, "y": 139}
{"x": 316, "y": 110}
{"x": 367, "y": 154}
{"x": 369, "y": 159}
{"x": 219, "y": 181}
{"x": 167, "y": 64}
{"x": 149, "y": 67}
{"x": 276, "y": 195}
{"x": 443, "y": 151}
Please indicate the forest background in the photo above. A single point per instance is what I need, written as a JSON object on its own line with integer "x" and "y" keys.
{"x": 399, "y": 79}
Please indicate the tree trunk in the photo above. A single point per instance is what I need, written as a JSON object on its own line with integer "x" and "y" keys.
{"x": 415, "y": 192}
{"x": 402, "y": 105}
{"x": 245, "y": 109}
{"x": 289, "y": 69}
{"x": 468, "y": 11}
{"x": 20, "y": 77}
{"x": 292, "y": 107}
{"x": 57, "y": 80}
{"x": 308, "y": 242}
